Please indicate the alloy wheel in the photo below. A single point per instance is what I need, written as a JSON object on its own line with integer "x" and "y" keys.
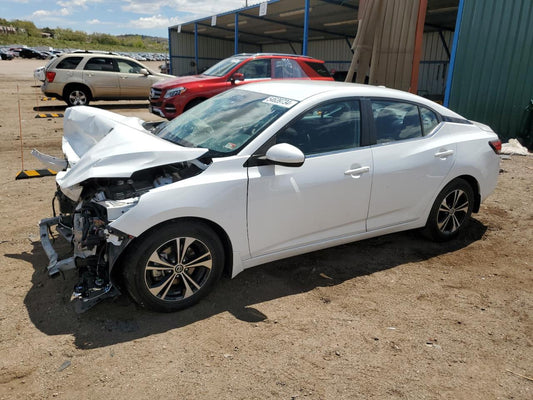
{"x": 178, "y": 269}
{"x": 77, "y": 98}
{"x": 452, "y": 211}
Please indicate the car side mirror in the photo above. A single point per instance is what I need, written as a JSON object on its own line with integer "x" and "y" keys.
{"x": 237, "y": 76}
{"x": 285, "y": 154}
{"x": 144, "y": 71}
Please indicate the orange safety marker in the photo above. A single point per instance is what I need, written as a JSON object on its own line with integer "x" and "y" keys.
{"x": 28, "y": 173}
{"x": 34, "y": 173}
{"x": 52, "y": 115}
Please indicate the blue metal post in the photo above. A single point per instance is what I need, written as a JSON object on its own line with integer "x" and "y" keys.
{"x": 196, "y": 47}
{"x": 236, "y": 49}
{"x": 306, "y": 27}
{"x": 169, "y": 52}
{"x": 454, "y": 52}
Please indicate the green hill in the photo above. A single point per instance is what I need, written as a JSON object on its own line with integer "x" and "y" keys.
{"x": 28, "y": 34}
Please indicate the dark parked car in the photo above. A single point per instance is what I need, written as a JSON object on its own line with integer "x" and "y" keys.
{"x": 6, "y": 54}
{"x": 31, "y": 53}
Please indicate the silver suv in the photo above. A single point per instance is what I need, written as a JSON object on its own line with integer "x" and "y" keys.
{"x": 79, "y": 78}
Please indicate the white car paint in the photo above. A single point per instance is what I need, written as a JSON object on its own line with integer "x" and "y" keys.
{"x": 269, "y": 212}
{"x": 313, "y": 209}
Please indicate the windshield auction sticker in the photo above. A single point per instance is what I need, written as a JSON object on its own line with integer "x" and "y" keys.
{"x": 280, "y": 101}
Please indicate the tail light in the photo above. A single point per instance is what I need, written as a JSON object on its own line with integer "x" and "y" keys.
{"x": 496, "y": 145}
{"x": 50, "y": 76}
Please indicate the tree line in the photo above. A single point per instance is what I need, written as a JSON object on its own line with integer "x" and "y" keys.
{"x": 28, "y": 34}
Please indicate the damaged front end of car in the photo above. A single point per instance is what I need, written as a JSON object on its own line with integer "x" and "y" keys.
{"x": 109, "y": 175}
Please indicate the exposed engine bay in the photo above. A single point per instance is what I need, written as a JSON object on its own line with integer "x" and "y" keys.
{"x": 84, "y": 224}
{"x": 88, "y": 206}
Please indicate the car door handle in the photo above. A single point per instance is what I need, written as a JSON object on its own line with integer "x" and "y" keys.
{"x": 443, "y": 154}
{"x": 357, "y": 171}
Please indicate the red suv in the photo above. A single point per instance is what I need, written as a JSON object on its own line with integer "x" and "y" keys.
{"x": 171, "y": 97}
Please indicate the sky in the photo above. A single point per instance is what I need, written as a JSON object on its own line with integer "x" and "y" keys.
{"x": 143, "y": 17}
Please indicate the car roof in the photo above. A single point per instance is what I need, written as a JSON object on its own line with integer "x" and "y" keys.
{"x": 275, "y": 55}
{"x": 301, "y": 90}
{"x": 94, "y": 54}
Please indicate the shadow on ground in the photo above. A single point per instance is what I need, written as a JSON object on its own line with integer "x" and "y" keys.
{"x": 120, "y": 320}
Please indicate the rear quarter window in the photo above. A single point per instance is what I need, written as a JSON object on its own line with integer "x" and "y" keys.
{"x": 319, "y": 68}
{"x": 429, "y": 120}
{"x": 69, "y": 63}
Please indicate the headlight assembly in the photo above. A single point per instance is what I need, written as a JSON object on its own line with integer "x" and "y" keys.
{"x": 175, "y": 92}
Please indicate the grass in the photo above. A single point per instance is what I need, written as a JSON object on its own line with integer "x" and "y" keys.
{"x": 135, "y": 44}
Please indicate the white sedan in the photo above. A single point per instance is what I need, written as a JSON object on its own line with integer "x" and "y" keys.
{"x": 257, "y": 174}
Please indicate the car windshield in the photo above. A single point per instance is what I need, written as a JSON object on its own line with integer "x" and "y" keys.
{"x": 223, "y": 67}
{"x": 224, "y": 124}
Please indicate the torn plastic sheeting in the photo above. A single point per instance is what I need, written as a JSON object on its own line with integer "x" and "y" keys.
{"x": 514, "y": 148}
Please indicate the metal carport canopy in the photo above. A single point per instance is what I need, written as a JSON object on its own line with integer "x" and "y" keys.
{"x": 285, "y": 22}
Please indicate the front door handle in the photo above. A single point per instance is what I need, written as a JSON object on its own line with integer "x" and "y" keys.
{"x": 443, "y": 153}
{"x": 357, "y": 171}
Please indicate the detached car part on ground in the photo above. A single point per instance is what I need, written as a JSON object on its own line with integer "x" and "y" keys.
{"x": 253, "y": 175}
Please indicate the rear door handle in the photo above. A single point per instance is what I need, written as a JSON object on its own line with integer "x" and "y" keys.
{"x": 357, "y": 171}
{"x": 443, "y": 154}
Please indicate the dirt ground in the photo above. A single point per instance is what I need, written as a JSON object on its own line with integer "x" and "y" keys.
{"x": 395, "y": 317}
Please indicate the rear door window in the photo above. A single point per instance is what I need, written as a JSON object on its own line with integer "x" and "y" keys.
{"x": 285, "y": 68}
{"x": 101, "y": 64}
{"x": 395, "y": 121}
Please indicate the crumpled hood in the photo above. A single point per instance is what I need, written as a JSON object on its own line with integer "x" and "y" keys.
{"x": 84, "y": 126}
{"x": 182, "y": 80}
{"x": 107, "y": 145}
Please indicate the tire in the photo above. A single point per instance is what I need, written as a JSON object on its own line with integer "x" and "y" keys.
{"x": 451, "y": 211}
{"x": 156, "y": 279}
{"x": 77, "y": 96}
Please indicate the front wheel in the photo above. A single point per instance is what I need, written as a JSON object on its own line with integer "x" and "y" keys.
{"x": 174, "y": 267}
{"x": 451, "y": 211}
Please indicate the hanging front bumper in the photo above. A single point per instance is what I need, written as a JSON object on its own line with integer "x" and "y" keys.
{"x": 55, "y": 266}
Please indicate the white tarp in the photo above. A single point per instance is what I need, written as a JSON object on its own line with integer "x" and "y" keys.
{"x": 514, "y": 148}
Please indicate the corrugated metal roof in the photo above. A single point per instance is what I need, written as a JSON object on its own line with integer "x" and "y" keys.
{"x": 328, "y": 19}
{"x": 492, "y": 78}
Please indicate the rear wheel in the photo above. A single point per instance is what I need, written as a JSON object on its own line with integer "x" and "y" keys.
{"x": 174, "y": 267}
{"x": 77, "y": 96}
{"x": 451, "y": 211}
